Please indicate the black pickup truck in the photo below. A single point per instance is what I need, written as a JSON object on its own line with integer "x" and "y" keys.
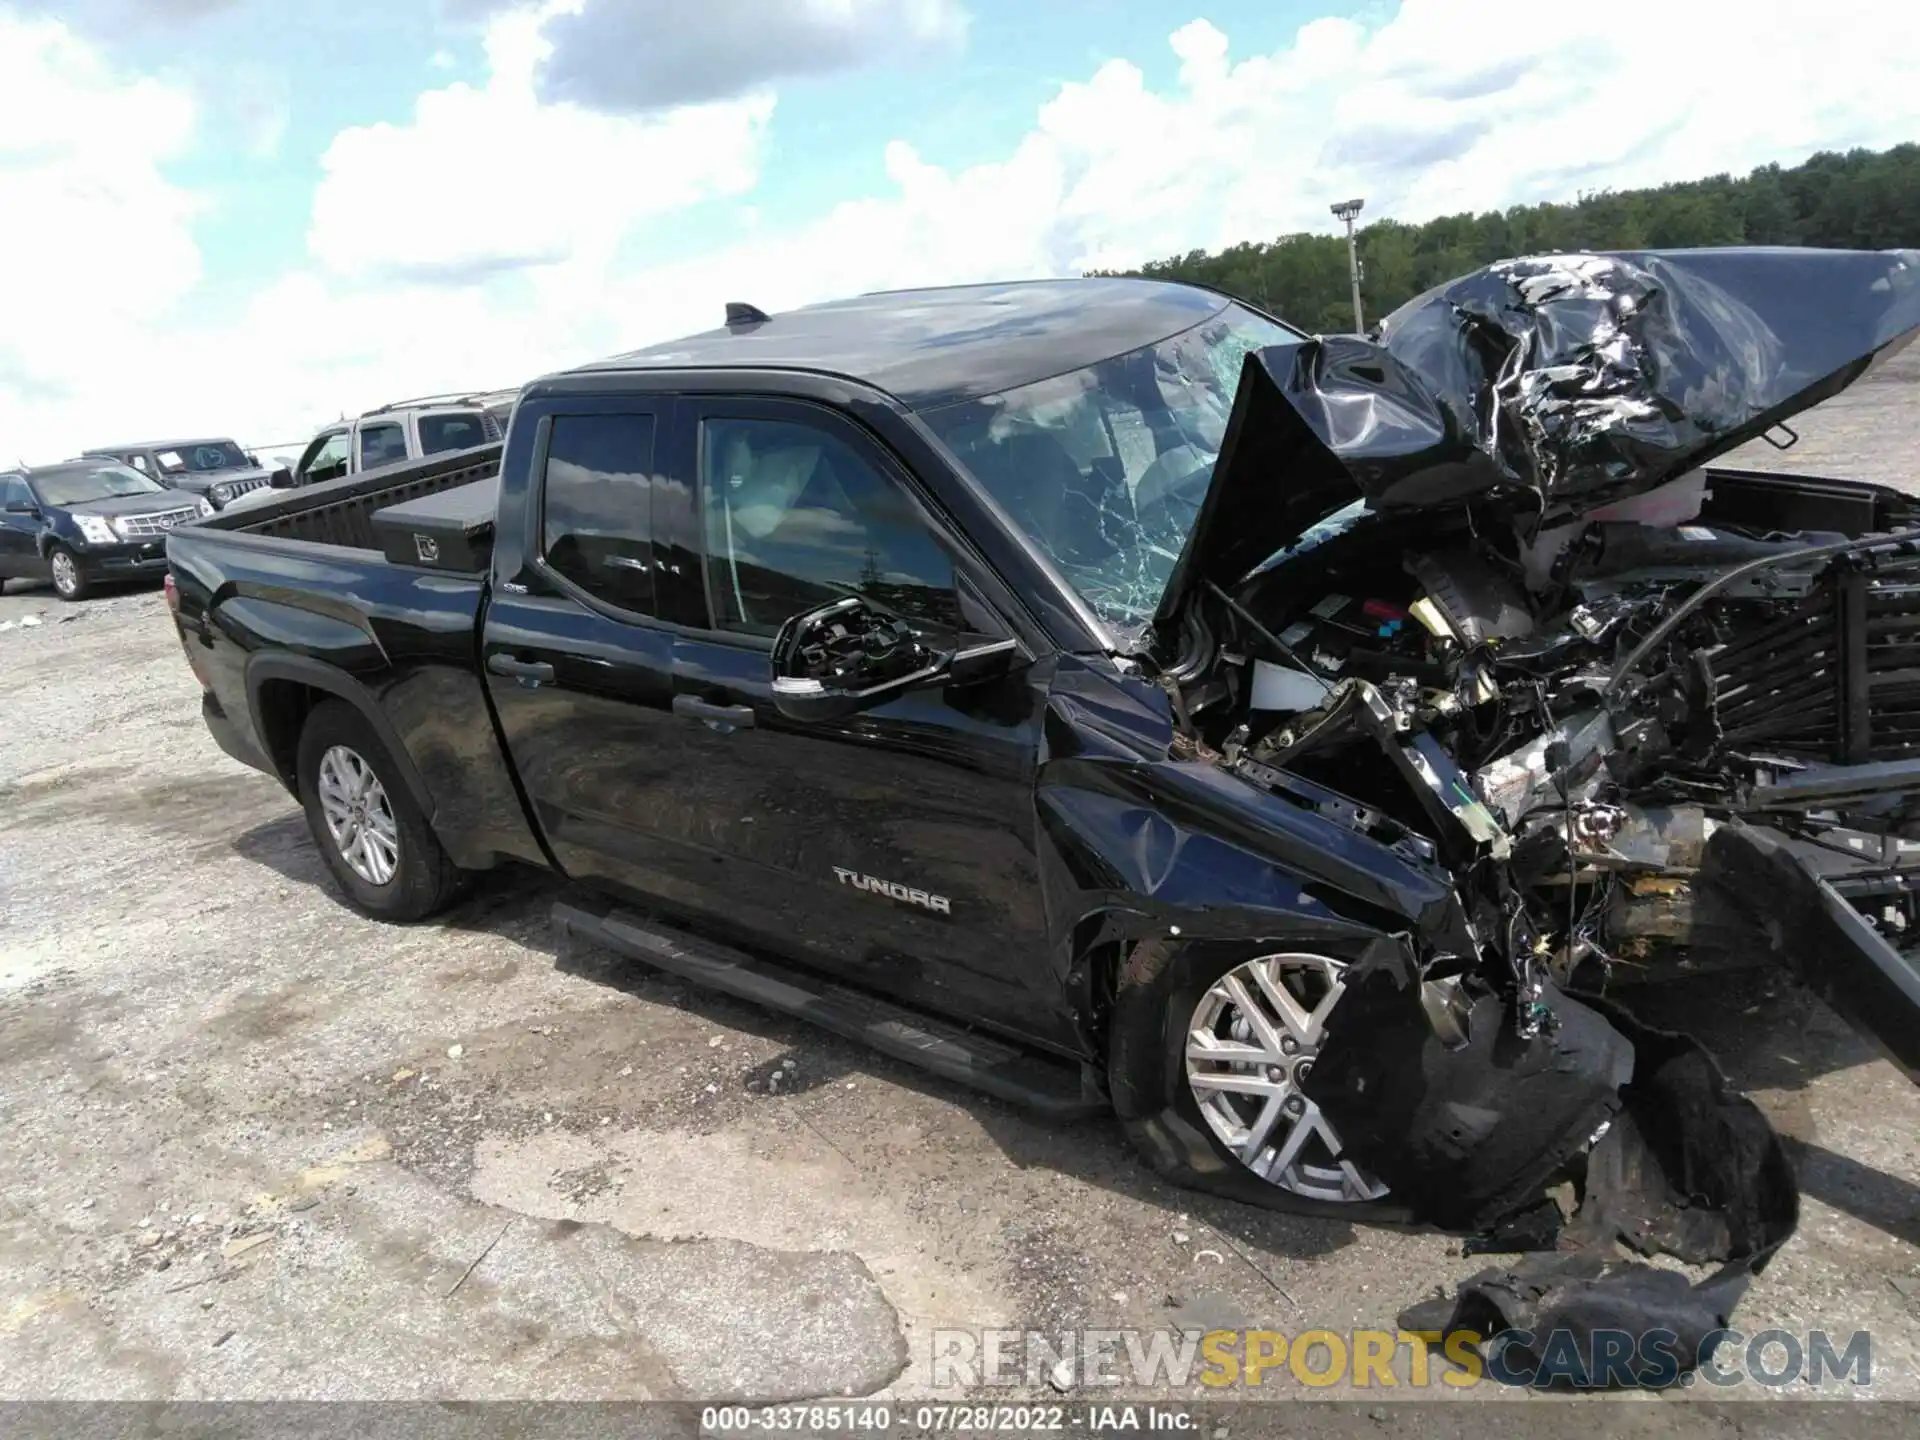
{"x": 1102, "y": 693}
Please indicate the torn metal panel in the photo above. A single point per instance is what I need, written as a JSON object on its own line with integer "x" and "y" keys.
{"x": 1562, "y": 383}
{"x": 1590, "y": 377}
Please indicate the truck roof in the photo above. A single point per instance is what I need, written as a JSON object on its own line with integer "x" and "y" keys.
{"x": 163, "y": 444}
{"x": 933, "y": 347}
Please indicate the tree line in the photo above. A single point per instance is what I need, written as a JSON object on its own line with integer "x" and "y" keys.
{"x": 1862, "y": 199}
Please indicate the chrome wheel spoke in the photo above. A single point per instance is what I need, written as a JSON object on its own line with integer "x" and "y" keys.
{"x": 1202, "y": 1046}
{"x": 1289, "y": 1152}
{"x": 1254, "y": 1014}
{"x": 1239, "y": 1083}
{"x": 1262, "y": 1127}
{"x": 1298, "y": 1022}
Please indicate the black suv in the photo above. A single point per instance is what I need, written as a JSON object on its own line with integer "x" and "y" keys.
{"x": 219, "y": 470}
{"x": 88, "y": 522}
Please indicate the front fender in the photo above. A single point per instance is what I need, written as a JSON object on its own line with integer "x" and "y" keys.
{"x": 1135, "y": 844}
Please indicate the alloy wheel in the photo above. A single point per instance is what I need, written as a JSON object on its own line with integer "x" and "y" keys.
{"x": 359, "y": 815}
{"x": 66, "y": 575}
{"x": 1251, "y": 1043}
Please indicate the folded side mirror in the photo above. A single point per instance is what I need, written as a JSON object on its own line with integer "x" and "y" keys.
{"x": 16, "y": 507}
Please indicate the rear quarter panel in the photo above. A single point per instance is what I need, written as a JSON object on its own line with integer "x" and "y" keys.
{"x": 264, "y": 619}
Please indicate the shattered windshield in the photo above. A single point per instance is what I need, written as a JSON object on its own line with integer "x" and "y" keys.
{"x": 1105, "y": 467}
{"x": 201, "y": 458}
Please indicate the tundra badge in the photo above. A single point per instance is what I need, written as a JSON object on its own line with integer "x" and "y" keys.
{"x": 938, "y": 904}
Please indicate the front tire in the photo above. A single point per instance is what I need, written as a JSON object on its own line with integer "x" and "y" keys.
{"x": 1208, "y": 1046}
{"x": 375, "y": 840}
{"x": 68, "y": 581}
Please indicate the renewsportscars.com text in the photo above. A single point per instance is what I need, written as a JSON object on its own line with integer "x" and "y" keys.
{"x": 1228, "y": 1360}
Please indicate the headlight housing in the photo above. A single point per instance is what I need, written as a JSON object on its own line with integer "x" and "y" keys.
{"x": 205, "y": 508}
{"x": 221, "y": 494}
{"x": 95, "y": 530}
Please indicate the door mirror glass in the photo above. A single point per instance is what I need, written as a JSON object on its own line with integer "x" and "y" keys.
{"x": 839, "y": 659}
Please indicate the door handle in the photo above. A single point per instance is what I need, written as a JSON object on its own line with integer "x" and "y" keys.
{"x": 528, "y": 672}
{"x": 733, "y": 717}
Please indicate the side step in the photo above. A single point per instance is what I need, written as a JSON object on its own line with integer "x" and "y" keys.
{"x": 1049, "y": 1087}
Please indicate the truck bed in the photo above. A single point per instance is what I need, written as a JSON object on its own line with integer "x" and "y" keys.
{"x": 340, "y": 512}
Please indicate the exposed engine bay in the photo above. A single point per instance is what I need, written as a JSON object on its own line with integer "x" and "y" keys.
{"x": 1647, "y": 715}
{"x": 1568, "y": 722}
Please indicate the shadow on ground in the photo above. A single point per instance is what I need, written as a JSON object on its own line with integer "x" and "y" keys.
{"x": 1762, "y": 1027}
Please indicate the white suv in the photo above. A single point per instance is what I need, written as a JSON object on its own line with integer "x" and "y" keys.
{"x": 392, "y": 434}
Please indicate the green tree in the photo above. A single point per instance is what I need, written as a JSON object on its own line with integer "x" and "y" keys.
{"x": 1861, "y": 199}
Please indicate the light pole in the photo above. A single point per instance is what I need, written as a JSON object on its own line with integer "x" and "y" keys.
{"x": 1346, "y": 210}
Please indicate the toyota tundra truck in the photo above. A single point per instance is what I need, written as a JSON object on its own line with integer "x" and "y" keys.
{"x": 1103, "y": 694}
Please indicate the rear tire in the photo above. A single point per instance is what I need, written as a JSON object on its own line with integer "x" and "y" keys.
{"x": 1166, "y": 991}
{"x": 68, "y": 581}
{"x": 375, "y": 840}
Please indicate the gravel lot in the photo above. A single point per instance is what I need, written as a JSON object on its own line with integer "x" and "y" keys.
{"x": 260, "y": 1148}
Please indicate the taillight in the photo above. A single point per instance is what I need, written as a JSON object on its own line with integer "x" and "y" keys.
{"x": 173, "y": 593}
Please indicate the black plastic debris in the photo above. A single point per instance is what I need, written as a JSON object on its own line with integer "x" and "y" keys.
{"x": 1687, "y": 1168}
{"x": 1472, "y": 1134}
{"x": 1668, "y": 1159}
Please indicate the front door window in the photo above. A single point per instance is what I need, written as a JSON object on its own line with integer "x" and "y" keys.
{"x": 795, "y": 518}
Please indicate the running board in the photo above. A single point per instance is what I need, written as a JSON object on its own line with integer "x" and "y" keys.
{"x": 1054, "y": 1088}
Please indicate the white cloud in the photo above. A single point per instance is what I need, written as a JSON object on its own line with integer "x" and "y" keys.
{"x": 417, "y": 201}
{"x": 1449, "y": 106}
{"x": 94, "y": 243}
{"x": 642, "y": 54}
{"x": 519, "y": 256}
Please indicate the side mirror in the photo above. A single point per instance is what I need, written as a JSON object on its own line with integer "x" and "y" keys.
{"x": 849, "y": 656}
{"x": 281, "y": 479}
{"x": 16, "y": 507}
{"x": 845, "y": 657}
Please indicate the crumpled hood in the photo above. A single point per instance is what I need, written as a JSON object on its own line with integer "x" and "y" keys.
{"x": 1563, "y": 382}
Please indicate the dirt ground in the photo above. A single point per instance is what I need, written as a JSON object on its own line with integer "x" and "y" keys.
{"x": 259, "y": 1148}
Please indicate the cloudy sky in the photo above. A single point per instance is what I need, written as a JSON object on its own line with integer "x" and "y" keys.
{"x": 247, "y": 216}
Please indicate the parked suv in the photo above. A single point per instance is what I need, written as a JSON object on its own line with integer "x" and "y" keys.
{"x": 88, "y": 522}
{"x": 218, "y": 469}
{"x": 404, "y": 430}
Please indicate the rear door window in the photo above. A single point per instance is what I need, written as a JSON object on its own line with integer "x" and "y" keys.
{"x": 382, "y": 444}
{"x": 452, "y": 432}
{"x": 597, "y": 507}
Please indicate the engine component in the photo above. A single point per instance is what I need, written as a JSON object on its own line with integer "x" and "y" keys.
{"x": 1281, "y": 688}
{"x": 1519, "y": 784}
{"x": 1478, "y": 602}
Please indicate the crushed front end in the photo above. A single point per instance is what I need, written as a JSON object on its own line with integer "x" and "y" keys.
{"x": 1653, "y": 716}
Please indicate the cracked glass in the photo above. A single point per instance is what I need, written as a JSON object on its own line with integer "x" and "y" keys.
{"x": 1104, "y": 468}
